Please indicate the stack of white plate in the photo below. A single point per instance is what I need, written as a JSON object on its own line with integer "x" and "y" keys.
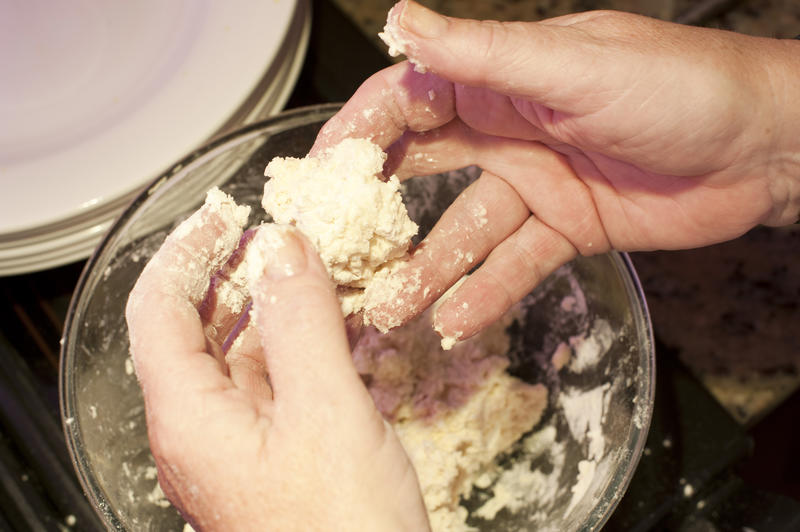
{"x": 98, "y": 97}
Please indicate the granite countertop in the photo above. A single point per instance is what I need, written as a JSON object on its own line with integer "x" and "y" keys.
{"x": 727, "y": 311}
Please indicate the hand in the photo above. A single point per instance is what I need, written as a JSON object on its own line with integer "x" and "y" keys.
{"x": 274, "y": 430}
{"x": 594, "y": 131}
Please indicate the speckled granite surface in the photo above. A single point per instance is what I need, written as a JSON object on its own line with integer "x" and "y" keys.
{"x": 734, "y": 308}
{"x": 731, "y": 312}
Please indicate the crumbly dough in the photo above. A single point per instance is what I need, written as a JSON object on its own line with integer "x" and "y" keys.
{"x": 393, "y": 37}
{"x": 357, "y": 222}
{"x": 454, "y": 411}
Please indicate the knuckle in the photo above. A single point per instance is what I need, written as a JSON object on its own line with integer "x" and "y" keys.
{"x": 529, "y": 264}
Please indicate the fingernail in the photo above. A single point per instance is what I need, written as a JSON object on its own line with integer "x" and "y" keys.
{"x": 423, "y": 21}
{"x": 448, "y": 341}
{"x": 279, "y": 253}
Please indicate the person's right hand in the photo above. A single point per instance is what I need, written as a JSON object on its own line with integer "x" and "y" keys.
{"x": 595, "y": 131}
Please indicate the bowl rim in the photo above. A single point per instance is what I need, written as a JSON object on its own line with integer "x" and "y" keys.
{"x": 282, "y": 121}
{"x": 641, "y": 319}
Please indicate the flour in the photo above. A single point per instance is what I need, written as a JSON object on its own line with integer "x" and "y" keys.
{"x": 479, "y": 212}
{"x": 129, "y": 370}
{"x": 454, "y": 412}
{"x": 231, "y": 284}
{"x": 589, "y": 349}
{"x": 393, "y": 36}
{"x": 522, "y": 485}
{"x": 584, "y": 413}
{"x": 356, "y": 222}
{"x": 586, "y": 470}
{"x": 556, "y": 471}
{"x": 441, "y": 406}
{"x": 220, "y": 214}
{"x": 448, "y": 341}
{"x": 158, "y": 497}
{"x": 391, "y": 287}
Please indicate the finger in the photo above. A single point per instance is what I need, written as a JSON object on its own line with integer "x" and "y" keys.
{"x": 481, "y": 217}
{"x": 443, "y": 149}
{"x": 507, "y": 275}
{"x": 552, "y": 63}
{"x": 495, "y": 113}
{"x": 246, "y": 363}
{"x": 534, "y": 178}
{"x": 398, "y": 100}
{"x": 354, "y": 327}
{"x": 390, "y": 102}
{"x": 300, "y": 320}
{"x": 166, "y": 335}
{"x": 544, "y": 179}
{"x": 227, "y": 294}
{"x": 452, "y": 146}
{"x": 547, "y": 182}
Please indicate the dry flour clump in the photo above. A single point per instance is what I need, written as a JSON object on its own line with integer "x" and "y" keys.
{"x": 357, "y": 222}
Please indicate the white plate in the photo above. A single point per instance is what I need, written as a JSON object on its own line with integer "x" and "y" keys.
{"x": 98, "y": 96}
{"x": 79, "y": 246}
{"x": 73, "y": 239}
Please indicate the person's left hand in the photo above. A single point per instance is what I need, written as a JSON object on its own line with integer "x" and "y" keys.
{"x": 594, "y": 131}
{"x": 298, "y": 446}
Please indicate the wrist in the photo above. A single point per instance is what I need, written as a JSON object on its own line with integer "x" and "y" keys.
{"x": 784, "y": 167}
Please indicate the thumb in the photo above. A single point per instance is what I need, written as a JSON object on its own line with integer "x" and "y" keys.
{"x": 549, "y": 62}
{"x": 299, "y": 319}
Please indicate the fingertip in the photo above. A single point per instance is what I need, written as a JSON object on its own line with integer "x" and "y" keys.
{"x": 512, "y": 58}
{"x": 298, "y": 316}
{"x": 393, "y": 34}
{"x": 418, "y": 19}
{"x": 411, "y": 29}
{"x": 281, "y": 257}
{"x": 399, "y": 293}
{"x": 454, "y": 317}
{"x": 387, "y": 104}
{"x": 195, "y": 250}
{"x": 408, "y": 21}
{"x": 278, "y": 253}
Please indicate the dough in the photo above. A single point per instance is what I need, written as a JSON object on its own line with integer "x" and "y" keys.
{"x": 357, "y": 222}
{"x": 454, "y": 411}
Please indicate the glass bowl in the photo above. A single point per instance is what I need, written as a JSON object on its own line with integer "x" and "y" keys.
{"x": 578, "y": 463}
